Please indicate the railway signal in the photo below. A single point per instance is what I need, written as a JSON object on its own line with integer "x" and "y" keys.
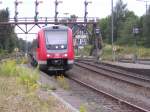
{"x": 36, "y": 10}
{"x": 16, "y": 10}
{"x": 86, "y": 13}
{"x": 97, "y": 32}
{"x": 136, "y": 31}
{"x": 112, "y": 29}
{"x": 56, "y": 11}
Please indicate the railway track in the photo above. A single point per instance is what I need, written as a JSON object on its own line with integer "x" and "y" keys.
{"x": 132, "y": 78}
{"x": 135, "y": 80}
{"x": 111, "y": 101}
{"x": 131, "y": 107}
{"x": 140, "y": 61}
{"x": 128, "y": 106}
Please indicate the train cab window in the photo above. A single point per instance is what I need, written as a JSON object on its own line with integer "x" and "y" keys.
{"x": 56, "y": 37}
{"x": 56, "y": 40}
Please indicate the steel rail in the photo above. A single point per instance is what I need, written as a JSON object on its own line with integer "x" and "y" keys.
{"x": 112, "y": 76}
{"x": 116, "y": 70}
{"x": 109, "y": 95}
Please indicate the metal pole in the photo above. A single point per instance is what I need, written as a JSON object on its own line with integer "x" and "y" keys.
{"x": 136, "y": 49}
{"x": 56, "y": 13}
{"x": 16, "y": 11}
{"x": 85, "y": 12}
{"x": 85, "y": 9}
{"x": 36, "y": 12}
{"x": 146, "y": 4}
{"x": 112, "y": 29}
{"x": 146, "y": 7}
{"x": 26, "y": 48}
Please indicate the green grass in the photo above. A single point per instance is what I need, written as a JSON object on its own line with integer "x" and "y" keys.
{"x": 121, "y": 51}
{"x": 8, "y": 68}
{"x": 85, "y": 51}
{"x": 14, "y": 98}
{"x": 28, "y": 77}
{"x": 3, "y": 53}
{"x": 144, "y": 52}
{"x": 107, "y": 53}
{"x": 125, "y": 52}
{"x": 19, "y": 91}
{"x": 22, "y": 60}
{"x": 24, "y": 75}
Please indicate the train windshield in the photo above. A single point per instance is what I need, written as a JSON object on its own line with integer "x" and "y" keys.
{"x": 56, "y": 37}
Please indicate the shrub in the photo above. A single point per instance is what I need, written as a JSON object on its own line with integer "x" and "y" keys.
{"x": 8, "y": 68}
{"x": 25, "y": 76}
{"x": 28, "y": 77}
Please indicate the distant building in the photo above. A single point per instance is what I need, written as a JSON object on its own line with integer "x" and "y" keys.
{"x": 80, "y": 39}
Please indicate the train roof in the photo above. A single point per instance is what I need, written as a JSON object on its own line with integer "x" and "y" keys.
{"x": 52, "y": 27}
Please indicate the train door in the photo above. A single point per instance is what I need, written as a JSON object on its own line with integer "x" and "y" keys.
{"x": 38, "y": 47}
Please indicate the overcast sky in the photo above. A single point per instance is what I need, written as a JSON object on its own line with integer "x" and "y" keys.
{"x": 98, "y": 8}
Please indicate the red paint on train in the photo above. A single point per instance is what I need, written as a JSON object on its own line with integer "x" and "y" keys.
{"x": 54, "y": 49}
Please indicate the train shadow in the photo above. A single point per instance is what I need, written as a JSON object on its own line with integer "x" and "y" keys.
{"x": 54, "y": 73}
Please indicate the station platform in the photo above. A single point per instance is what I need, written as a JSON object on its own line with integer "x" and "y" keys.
{"x": 129, "y": 65}
{"x": 132, "y": 67}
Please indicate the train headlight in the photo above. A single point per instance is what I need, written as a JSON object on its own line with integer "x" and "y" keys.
{"x": 56, "y": 47}
{"x": 65, "y": 55}
{"x": 62, "y": 46}
{"x": 48, "y": 55}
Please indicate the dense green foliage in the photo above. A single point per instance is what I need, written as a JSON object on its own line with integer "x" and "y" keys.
{"x": 124, "y": 22}
{"x": 8, "y": 37}
{"x": 146, "y": 28}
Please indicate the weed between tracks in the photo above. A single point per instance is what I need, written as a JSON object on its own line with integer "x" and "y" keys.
{"x": 19, "y": 91}
{"x": 62, "y": 82}
{"x": 82, "y": 108}
{"x": 47, "y": 87}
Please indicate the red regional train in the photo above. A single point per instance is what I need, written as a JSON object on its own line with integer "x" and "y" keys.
{"x": 53, "y": 48}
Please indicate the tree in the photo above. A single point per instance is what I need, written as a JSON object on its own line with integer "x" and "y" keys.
{"x": 105, "y": 24}
{"x": 146, "y": 28}
{"x": 7, "y": 36}
{"x": 126, "y": 35}
{"x": 119, "y": 17}
{"x": 21, "y": 44}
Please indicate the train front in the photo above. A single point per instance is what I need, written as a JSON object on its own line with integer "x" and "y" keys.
{"x": 59, "y": 48}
